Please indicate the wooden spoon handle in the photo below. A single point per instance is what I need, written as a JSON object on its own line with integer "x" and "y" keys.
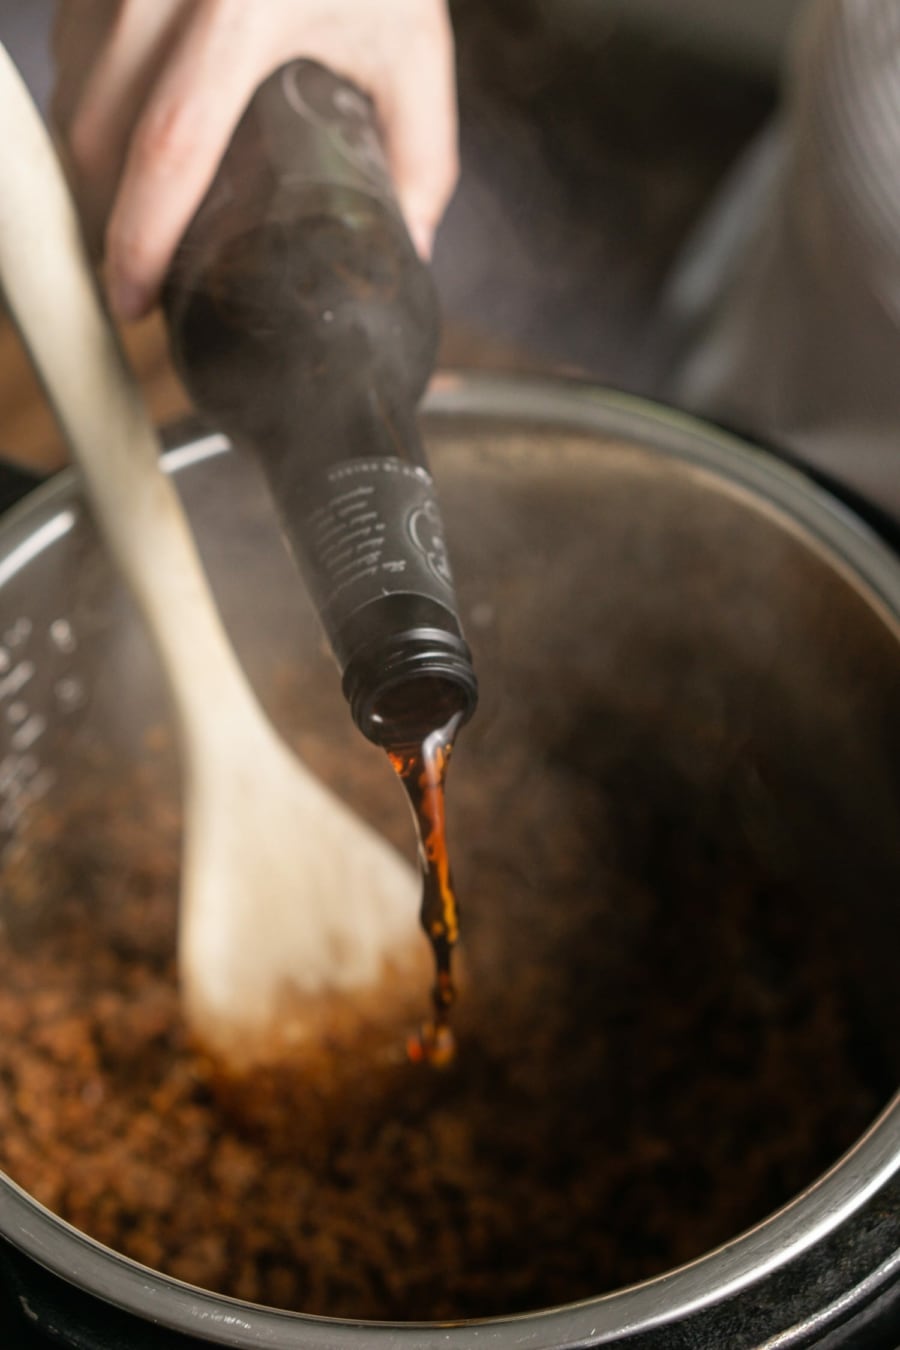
{"x": 53, "y": 297}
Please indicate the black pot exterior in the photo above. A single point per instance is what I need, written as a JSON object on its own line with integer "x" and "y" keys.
{"x": 15, "y": 483}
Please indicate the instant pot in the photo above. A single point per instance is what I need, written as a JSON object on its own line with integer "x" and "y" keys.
{"x": 692, "y": 579}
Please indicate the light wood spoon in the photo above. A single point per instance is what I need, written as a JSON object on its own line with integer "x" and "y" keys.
{"x": 283, "y": 888}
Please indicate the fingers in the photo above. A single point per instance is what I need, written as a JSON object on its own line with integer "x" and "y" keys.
{"x": 177, "y": 143}
{"x": 170, "y": 79}
{"x": 418, "y": 114}
{"x": 401, "y": 53}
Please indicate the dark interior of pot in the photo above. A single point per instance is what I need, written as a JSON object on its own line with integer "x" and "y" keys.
{"x": 673, "y": 831}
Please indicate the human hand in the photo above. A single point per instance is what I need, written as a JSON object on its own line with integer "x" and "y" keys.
{"x": 149, "y": 91}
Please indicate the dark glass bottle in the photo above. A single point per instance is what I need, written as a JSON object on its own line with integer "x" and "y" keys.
{"x": 305, "y": 326}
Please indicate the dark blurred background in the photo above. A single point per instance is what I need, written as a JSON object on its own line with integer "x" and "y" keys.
{"x": 594, "y": 133}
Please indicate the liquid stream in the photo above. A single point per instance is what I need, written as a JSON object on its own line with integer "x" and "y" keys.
{"x": 422, "y": 768}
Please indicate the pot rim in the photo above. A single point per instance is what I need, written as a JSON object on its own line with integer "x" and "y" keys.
{"x": 782, "y": 1238}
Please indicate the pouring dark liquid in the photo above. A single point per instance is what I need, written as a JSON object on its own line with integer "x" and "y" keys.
{"x": 305, "y": 326}
{"x": 421, "y": 763}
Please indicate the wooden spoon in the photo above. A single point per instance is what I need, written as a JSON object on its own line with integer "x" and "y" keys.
{"x": 283, "y": 888}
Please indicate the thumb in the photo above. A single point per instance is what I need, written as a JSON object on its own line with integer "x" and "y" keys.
{"x": 419, "y": 122}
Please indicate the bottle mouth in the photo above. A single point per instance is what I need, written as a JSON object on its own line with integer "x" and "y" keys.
{"x": 408, "y": 685}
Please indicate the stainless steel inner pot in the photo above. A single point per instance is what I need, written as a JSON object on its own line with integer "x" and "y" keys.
{"x": 719, "y": 612}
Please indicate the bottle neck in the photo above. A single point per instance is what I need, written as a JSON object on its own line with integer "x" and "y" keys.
{"x": 360, "y": 515}
{"x": 409, "y": 683}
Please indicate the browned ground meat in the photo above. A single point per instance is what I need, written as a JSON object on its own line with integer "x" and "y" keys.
{"x": 640, "y": 1075}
